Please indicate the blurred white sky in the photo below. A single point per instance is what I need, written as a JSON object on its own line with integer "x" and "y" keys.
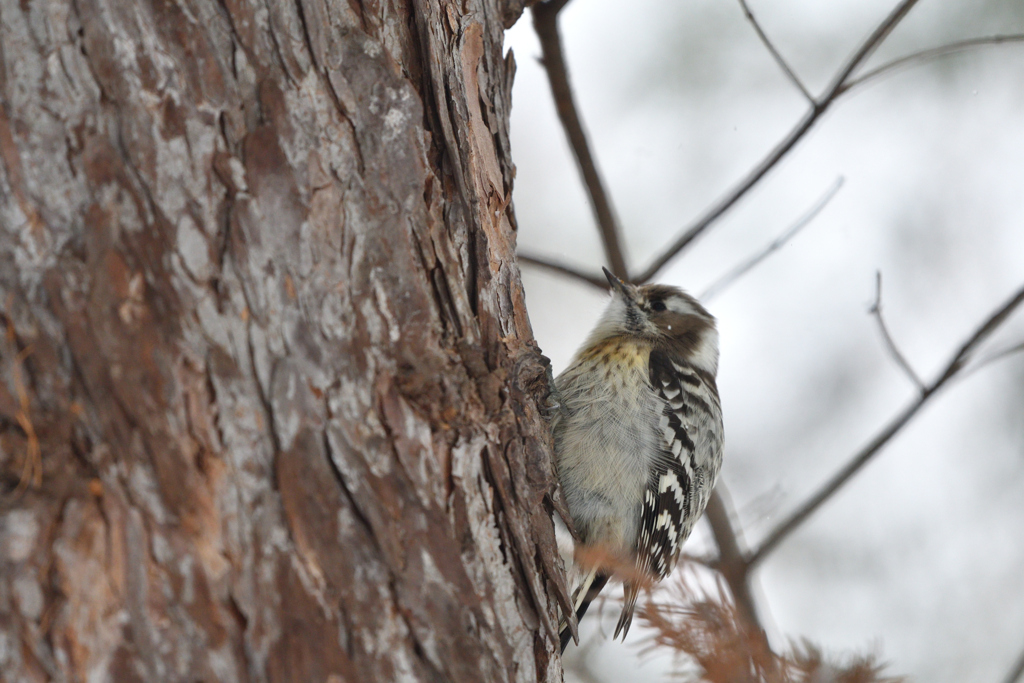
{"x": 921, "y": 557}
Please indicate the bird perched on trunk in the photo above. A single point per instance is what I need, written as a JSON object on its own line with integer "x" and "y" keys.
{"x": 638, "y": 435}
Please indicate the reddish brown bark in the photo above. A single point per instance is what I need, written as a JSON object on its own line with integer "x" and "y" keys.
{"x": 266, "y": 328}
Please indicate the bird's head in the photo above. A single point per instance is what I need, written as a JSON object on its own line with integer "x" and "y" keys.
{"x": 665, "y": 317}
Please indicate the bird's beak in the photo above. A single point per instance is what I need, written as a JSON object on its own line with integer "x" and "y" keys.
{"x": 618, "y": 285}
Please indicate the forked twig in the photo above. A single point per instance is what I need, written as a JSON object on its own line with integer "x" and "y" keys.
{"x": 882, "y": 438}
{"x": 819, "y": 106}
{"x": 876, "y": 312}
{"x": 980, "y": 335}
{"x": 794, "y": 79}
{"x": 841, "y": 84}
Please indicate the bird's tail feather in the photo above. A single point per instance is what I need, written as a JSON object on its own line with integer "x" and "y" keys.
{"x": 629, "y": 593}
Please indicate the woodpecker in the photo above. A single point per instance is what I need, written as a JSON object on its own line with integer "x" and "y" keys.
{"x": 638, "y": 435}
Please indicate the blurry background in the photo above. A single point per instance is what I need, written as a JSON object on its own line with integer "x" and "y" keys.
{"x": 920, "y": 559}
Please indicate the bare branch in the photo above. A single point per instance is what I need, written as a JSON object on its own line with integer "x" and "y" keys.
{"x": 876, "y": 444}
{"x": 876, "y": 311}
{"x": 750, "y": 263}
{"x": 1017, "y": 672}
{"x": 780, "y": 150}
{"x": 545, "y": 23}
{"x": 775, "y": 53}
{"x": 594, "y": 280}
{"x": 731, "y": 562}
{"x": 932, "y": 53}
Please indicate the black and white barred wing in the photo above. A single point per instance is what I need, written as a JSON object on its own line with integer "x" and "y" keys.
{"x": 682, "y": 479}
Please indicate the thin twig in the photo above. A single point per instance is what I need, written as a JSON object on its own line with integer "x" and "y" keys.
{"x": 750, "y": 263}
{"x": 876, "y": 311}
{"x": 775, "y": 53}
{"x": 860, "y": 459}
{"x": 820, "y": 106}
{"x": 597, "y": 281}
{"x": 982, "y": 333}
{"x": 1017, "y": 672}
{"x": 929, "y": 54}
{"x": 545, "y": 23}
{"x": 997, "y": 356}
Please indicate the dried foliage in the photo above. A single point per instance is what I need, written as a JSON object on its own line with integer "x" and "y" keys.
{"x": 705, "y": 629}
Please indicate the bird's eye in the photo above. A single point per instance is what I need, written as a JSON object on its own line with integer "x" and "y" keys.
{"x": 658, "y": 306}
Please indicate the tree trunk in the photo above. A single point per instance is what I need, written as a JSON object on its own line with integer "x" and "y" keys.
{"x": 269, "y": 407}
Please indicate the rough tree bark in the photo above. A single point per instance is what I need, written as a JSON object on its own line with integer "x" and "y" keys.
{"x": 269, "y": 402}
